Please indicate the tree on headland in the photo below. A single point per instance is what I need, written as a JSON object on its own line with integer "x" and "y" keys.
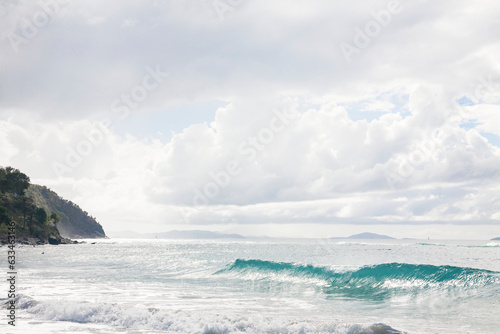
{"x": 13, "y": 186}
{"x": 13, "y": 181}
{"x": 54, "y": 217}
{"x": 16, "y": 206}
{"x": 38, "y": 214}
{"x": 27, "y": 209}
{"x": 41, "y": 216}
{"x": 4, "y": 217}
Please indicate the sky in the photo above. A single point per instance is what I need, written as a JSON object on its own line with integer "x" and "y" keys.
{"x": 281, "y": 118}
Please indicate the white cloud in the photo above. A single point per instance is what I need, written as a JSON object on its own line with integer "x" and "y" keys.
{"x": 359, "y": 138}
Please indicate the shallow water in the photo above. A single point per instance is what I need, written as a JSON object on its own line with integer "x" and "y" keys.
{"x": 258, "y": 286}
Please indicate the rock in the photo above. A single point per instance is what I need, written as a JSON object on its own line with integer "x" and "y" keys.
{"x": 54, "y": 241}
{"x": 69, "y": 241}
{"x": 31, "y": 241}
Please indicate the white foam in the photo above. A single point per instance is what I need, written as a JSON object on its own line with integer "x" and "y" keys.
{"x": 122, "y": 317}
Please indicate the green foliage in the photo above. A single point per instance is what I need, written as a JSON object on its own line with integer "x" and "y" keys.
{"x": 41, "y": 216}
{"x": 73, "y": 221}
{"x": 4, "y": 229}
{"x": 4, "y": 217}
{"x": 36, "y": 210}
{"x": 54, "y": 217}
{"x": 13, "y": 181}
{"x": 31, "y": 221}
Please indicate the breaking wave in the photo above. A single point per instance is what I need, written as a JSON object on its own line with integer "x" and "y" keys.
{"x": 373, "y": 282}
{"x": 147, "y": 319}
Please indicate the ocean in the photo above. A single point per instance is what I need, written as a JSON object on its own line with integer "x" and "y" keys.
{"x": 256, "y": 286}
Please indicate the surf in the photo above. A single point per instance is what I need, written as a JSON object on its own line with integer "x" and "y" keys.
{"x": 374, "y": 281}
{"x": 141, "y": 318}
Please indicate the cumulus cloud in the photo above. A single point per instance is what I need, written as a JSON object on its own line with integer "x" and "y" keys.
{"x": 401, "y": 132}
{"x": 319, "y": 166}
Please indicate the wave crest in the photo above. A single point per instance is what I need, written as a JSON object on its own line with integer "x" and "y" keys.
{"x": 372, "y": 281}
{"x": 147, "y": 319}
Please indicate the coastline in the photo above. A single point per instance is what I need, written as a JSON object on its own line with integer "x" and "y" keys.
{"x": 33, "y": 241}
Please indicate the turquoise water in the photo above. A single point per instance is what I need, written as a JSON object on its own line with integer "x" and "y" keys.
{"x": 259, "y": 286}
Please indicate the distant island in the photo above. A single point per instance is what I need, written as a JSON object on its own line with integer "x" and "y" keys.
{"x": 366, "y": 235}
{"x": 39, "y": 215}
{"x": 192, "y": 234}
{"x": 200, "y": 234}
{"x": 496, "y": 238}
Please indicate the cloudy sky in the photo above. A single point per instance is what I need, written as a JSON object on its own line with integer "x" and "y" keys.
{"x": 293, "y": 118}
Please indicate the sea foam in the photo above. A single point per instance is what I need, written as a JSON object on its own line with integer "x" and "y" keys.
{"x": 142, "y": 318}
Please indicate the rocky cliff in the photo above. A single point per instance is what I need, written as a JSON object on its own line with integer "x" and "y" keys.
{"x": 74, "y": 222}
